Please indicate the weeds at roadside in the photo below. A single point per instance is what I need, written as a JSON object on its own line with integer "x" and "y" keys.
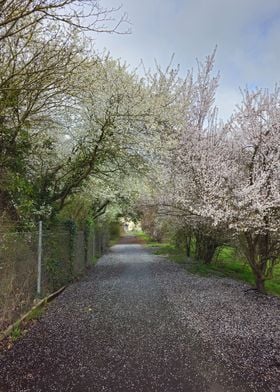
{"x": 16, "y": 333}
{"x": 35, "y": 313}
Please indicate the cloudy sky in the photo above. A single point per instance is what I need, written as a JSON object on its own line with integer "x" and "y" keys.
{"x": 247, "y": 33}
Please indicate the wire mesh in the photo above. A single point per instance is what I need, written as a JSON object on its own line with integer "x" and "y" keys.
{"x": 66, "y": 255}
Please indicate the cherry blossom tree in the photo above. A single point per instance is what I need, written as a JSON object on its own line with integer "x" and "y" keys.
{"x": 249, "y": 183}
{"x": 185, "y": 167}
{"x": 225, "y": 179}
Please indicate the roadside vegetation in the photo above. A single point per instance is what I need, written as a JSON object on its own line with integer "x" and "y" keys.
{"x": 226, "y": 263}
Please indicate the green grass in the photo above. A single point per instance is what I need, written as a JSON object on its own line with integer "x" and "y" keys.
{"x": 141, "y": 235}
{"x": 35, "y": 313}
{"x": 227, "y": 264}
{"x": 162, "y": 248}
{"x": 113, "y": 241}
{"x": 230, "y": 265}
{"x": 15, "y": 333}
{"x": 19, "y": 329}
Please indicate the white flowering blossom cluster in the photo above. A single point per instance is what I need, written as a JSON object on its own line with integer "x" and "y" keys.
{"x": 224, "y": 179}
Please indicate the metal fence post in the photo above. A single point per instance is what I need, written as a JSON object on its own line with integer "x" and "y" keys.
{"x": 39, "y": 271}
{"x": 100, "y": 243}
{"x": 93, "y": 245}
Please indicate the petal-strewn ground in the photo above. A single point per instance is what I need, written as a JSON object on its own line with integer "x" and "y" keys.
{"x": 139, "y": 323}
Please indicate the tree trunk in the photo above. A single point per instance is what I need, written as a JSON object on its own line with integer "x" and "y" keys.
{"x": 209, "y": 253}
{"x": 205, "y": 248}
{"x": 256, "y": 251}
{"x": 188, "y": 246}
{"x": 260, "y": 284}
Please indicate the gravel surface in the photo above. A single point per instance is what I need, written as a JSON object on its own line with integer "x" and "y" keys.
{"x": 140, "y": 323}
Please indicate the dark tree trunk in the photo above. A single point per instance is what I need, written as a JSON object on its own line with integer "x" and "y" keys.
{"x": 209, "y": 253}
{"x": 257, "y": 254}
{"x": 188, "y": 246}
{"x": 205, "y": 248}
{"x": 260, "y": 284}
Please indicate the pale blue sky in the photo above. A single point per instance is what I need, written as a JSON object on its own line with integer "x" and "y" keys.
{"x": 247, "y": 34}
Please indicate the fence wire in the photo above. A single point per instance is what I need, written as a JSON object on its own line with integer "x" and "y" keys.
{"x": 66, "y": 255}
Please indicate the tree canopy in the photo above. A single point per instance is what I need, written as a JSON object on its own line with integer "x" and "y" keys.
{"x": 80, "y": 132}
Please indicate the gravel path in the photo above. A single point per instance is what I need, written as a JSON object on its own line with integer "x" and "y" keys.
{"x": 140, "y": 323}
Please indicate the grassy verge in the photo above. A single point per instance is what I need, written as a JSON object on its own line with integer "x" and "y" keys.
{"x": 227, "y": 264}
{"x": 113, "y": 242}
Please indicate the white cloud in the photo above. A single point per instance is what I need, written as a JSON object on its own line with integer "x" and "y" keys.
{"x": 247, "y": 34}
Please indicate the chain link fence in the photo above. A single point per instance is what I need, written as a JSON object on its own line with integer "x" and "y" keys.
{"x": 66, "y": 253}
